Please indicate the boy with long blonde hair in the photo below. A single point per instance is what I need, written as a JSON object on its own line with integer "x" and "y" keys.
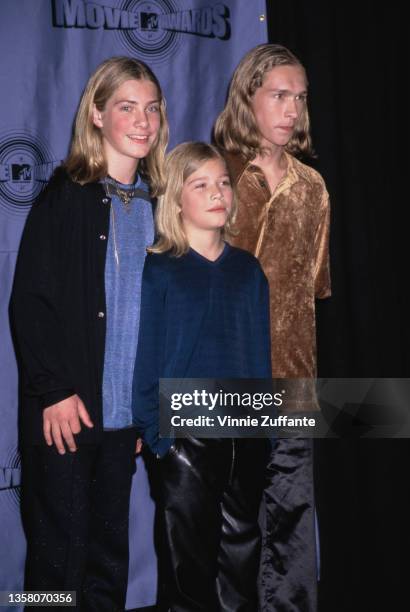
{"x": 282, "y": 219}
{"x": 75, "y": 309}
{"x": 204, "y": 314}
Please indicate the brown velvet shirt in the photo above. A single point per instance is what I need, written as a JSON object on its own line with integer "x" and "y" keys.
{"x": 288, "y": 231}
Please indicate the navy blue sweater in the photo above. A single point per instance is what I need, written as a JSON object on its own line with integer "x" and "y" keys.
{"x": 199, "y": 319}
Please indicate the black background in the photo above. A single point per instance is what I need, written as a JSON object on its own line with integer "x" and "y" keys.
{"x": 356, "y": 56}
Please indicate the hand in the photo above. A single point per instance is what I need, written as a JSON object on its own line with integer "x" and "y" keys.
{"x": 138, "y": 447}
{"x": 62, "y": 420}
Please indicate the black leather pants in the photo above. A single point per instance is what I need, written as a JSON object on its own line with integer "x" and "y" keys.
{"x": 210, "y": 492}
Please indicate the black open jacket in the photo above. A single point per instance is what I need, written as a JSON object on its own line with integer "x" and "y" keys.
{"x": 58, "y": 303}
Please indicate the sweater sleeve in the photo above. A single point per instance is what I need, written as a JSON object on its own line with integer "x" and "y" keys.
{"x": 150, "y": 352}
{"x": 261, "y": 333}
{"x": 36, "y": 324}
{"x": 261, "y": 328}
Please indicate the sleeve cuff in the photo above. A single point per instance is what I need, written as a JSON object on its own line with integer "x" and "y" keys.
{"x": 53, "y": 397}
{"x": 162, "y": 447}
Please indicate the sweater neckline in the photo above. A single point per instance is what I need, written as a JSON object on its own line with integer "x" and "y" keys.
{"x": 207, "y": 261}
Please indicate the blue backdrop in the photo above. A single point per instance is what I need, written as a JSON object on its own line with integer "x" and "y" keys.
{"x": 48, "y": 49}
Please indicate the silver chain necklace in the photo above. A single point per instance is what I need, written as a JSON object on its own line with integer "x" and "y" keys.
{"x": 112, "y": 187}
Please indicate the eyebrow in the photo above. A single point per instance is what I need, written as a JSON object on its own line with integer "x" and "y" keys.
{"x": 156, "y": 101}
{"x": 203, "y": 178}
{"x": 287, "y": 91}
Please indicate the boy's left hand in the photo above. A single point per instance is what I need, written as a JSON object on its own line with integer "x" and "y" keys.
{"x": 138, "y": 447}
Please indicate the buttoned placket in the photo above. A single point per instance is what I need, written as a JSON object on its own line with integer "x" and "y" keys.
{"x": 102, "y": 237}
{"x": 283, "y": 184}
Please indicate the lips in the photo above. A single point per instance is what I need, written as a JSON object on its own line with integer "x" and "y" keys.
{"x": 138, "y": 138}
{"x": 217, "y": 209}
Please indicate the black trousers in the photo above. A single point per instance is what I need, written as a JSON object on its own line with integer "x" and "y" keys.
{"x": 210, "y": 492}
{"x": 75, "y": 513}
{"x": 288, "y": 576}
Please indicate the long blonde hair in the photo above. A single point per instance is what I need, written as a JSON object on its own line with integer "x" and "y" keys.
{"x": 185, "y": 159}
{"x": 235, "y": 129}
{"x": 86, "y": 162}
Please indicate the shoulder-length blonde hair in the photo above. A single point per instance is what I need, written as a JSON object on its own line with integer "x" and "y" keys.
{"x": 185, "y": 159}
{"x": 86, "y": 162}
{"x": 235, "y": 129}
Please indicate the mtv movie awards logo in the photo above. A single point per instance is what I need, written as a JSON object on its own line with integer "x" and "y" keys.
{"x": 26, "y": 164}
{"x": 152, "y": 29}
{"x": 10, "y": 475}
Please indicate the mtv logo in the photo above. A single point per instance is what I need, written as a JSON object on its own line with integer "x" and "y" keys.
{"x": 149, "y": 21}
{"x": 21, "y": 173}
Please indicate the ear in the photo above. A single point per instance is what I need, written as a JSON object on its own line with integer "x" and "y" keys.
{"x": 97, "y": 117}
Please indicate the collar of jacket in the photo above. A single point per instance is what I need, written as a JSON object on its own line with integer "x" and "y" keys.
{"x": 61, "y": 176}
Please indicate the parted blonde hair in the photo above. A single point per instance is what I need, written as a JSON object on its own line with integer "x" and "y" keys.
{"x": 185, "y": 159}
{"x": 235, "y": 129}
{"x": 86, "y": 161}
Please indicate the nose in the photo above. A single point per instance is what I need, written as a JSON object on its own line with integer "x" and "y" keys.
{"x": 217, "y": 193}
{"x": 291, "y": 107}
{"x": 140, "y": 117}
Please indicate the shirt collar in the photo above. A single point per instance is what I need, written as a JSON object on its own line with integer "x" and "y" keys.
{"x": 239, "y": 166}
{"x": 289, "y": 178}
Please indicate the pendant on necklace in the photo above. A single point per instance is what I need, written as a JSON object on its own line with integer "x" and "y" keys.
{"x": 125, "y": 197}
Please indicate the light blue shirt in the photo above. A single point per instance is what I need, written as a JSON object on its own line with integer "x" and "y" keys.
{"x": 132, "y": 230}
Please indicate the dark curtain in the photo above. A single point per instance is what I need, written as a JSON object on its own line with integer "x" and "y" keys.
{"x": 356, "y": 56}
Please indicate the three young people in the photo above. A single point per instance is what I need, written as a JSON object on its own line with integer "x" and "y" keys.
{"x": 204, "y": 313}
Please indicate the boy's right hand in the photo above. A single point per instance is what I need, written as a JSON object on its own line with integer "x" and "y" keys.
{"x": 62, "y": 420}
